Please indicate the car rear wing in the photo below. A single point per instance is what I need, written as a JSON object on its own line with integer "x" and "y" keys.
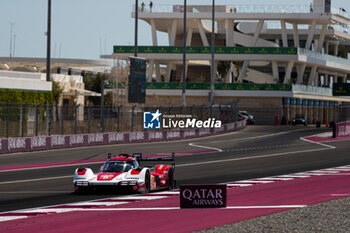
{"x": 138, "y": 157}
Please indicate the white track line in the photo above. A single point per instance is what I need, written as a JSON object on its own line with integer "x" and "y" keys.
{"x": 255, "y": 137}
{"x": 92, "y": 203}
{"x": 266, "y": 207}
{"x": 318, "y": 143}
{"x": 323, "y": 171}
{"x": 8, "y": 218}
{"x": 252, "y": 157}
{"x": 294, "y": 176}
{"x": 178, "y": 208}
{"x": 238, "y": 185}
{"x": 33, "y": 192}
{"x": 166, "y": 192}
{"x": 131, "y": 209}
{"x": 32, "y": 180}
{"x": 337, "y": 169}
{"x": 339, "y": 174}
{"x": 138, "y": 198}
{"x": 44, "y": 210}
{"x": 275, "y": 178}
{"x": 255, "y": 181}
{"x": 55, "y": 166}
{"x": 313, "y": 174}
{"x": 205, "y": 147}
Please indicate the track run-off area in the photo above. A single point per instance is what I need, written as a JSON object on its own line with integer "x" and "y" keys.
{"x": 267, "y": 169}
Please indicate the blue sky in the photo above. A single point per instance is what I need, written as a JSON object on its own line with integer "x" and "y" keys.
{"x": 86, "y": 28}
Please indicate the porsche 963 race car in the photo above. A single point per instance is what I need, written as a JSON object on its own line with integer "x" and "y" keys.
{"x": 124, "y": 172}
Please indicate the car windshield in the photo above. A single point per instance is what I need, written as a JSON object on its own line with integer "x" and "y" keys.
{"x": 118, "y": 166}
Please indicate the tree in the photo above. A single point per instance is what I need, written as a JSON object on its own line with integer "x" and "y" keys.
{"x": 93, "y": 83}
{"x": 57, "y": 91}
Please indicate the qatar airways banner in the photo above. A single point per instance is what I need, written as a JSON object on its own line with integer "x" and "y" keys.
{"x": 342, "y": 129}
{"x": 203, "y": 196}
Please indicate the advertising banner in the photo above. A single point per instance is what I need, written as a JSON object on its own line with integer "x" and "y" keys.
{"x": 341, "y": 89}
{"x": 342, "y": 129}
{"x": 203, "y": 196}
{"x": 206, "y": 50}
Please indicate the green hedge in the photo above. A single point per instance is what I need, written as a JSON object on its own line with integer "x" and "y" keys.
{"x": 30, "y": 97}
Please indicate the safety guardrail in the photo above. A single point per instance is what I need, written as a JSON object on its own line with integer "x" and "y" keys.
{"x": 10, "y": 145}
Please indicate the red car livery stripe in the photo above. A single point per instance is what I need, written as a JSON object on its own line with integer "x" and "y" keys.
{"x": 105, "y": 176}
{"x": 161, "y": 169}
{"x": 135, "y": 171}
{"x": 122, "y": 158}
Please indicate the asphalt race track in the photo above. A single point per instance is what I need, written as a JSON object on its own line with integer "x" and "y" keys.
{"x": 258, "y": 151}
{"x": 37, "y": 185}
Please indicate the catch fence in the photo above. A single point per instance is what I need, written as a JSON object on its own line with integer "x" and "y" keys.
{"x": 25, "y": 120}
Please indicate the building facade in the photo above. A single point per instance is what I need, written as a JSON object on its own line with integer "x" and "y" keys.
{"x": 273, "y": 59}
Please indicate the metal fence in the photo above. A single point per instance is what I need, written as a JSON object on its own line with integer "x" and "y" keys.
{"x": 24, "y": 120}
{"x": 343, "y": 112}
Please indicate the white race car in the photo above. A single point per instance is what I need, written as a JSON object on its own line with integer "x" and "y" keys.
{"x": 123, "y": 171}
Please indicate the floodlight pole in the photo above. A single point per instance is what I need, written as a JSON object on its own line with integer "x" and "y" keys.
{"x": 212, "y": 78}
{"x": 48, "y": 55}
{"x": 184, "y": 57}
{"x": 136, "y": 26}
{"x": 11, "y": 38}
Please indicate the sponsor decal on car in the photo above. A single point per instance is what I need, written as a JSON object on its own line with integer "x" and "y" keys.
{"x": 153, "y": 182}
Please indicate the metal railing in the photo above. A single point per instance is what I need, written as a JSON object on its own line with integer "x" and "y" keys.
{"x": 24, "y": 120}
{"x": 239, "y": 8}
{"x": 343, "y": 112}
{"x": 305, "y": 89}
{"x": 326, "y": 57}
{"x": 339, "y": 11}
{"x": 164, "y": 8}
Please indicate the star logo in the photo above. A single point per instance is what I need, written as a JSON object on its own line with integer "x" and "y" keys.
{"x": 156, "y": 115}
{"x": 151, "y": 120}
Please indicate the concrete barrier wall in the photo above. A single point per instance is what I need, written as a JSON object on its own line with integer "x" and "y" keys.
{"x": 342, "y": 129}
{"x": 10, "y": 145}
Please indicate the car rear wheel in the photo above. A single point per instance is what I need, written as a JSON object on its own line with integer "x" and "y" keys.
{"x": 147, "y": 182}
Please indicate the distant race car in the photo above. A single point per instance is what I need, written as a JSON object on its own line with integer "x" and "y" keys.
{"x": 299, "y": 119}
{"x": 249, "y": 117}
{"x": 124, "y": 172}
